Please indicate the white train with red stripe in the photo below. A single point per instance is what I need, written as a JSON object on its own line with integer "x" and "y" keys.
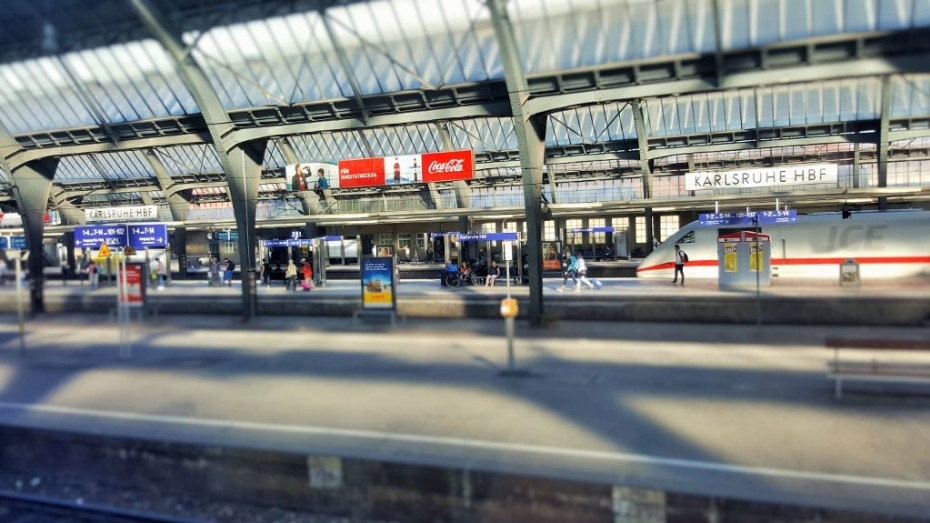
{"x": 890, "y": 244}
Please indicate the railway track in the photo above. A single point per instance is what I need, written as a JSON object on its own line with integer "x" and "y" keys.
{"x": 19, "y": 508}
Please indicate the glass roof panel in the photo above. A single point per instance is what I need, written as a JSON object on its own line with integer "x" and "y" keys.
{"x": 125, "y": 82}
{"x": 592, "y": 124}
{"x": 190, "y": 159}
{"x": 104, "y": 167}
{"x": 391, "y": 45}
{"x": 910, "y": 95}
{"x": 783, "y": 105}
{"x": 483, "y": 134}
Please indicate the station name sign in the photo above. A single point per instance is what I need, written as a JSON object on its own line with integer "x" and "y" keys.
{"x": 122, "y": 214}
{"x": 488, "y": 236}
{"x": 767, "y": 177}
{"x": 748, "y": 218}
{"x": 577, "y": 230}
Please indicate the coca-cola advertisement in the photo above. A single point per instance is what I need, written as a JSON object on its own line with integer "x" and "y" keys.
{"x": 448, "y": 166}
{"x": 404, "y": 169}
{"x": 364, "y": 172}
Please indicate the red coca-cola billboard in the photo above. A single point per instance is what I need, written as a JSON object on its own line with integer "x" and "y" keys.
{"x": 424, "y": 168}
{"x": 364, "y": 172}
{"x": 448, "y": 166}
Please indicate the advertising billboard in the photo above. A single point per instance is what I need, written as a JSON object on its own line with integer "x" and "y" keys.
{"x": 405, "y": 169}
{"x": 377, "y": 282}
{"x": 135, "y": 285}
{"x": 311, "y": 176}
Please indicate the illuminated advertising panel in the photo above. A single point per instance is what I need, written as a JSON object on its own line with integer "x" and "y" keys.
{"x": 311, "y": 176}
{"x": 405, "y": 169}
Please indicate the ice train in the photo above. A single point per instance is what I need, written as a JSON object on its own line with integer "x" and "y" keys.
{"x": 889, "y": 244}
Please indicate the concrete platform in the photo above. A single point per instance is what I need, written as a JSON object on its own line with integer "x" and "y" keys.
{"x": 897, "y": 303}
{"x": 717, "y": 410}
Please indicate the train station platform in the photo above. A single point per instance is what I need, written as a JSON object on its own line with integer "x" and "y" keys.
{"x": 714, "y": 410}
{"x": 897, "y": 302}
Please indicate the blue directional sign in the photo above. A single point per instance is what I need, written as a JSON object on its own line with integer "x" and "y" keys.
{"x": 488, "y": 236}
{"x": 148, "y": 235}
{"x": 288, "y": 243}
{"x": 91, "y": 237}
{"x": 332, "y": 238}
{"x": 13, "y": 242}
{"x": 748, "y": 218}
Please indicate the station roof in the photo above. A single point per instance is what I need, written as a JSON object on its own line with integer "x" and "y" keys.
{"x": 78, "y": 71}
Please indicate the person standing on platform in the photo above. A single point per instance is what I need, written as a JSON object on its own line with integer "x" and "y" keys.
{"x": 266, "y": 273}
{"x": 228, "y": 275}
{"x": 290, "y": 276}
{"x": 214, "y": 272}
{"x": 92, "y": 274}
{"x": 160, "y": 273}
{"x": 680, "y": 259}
{"x": 307, "y": 272}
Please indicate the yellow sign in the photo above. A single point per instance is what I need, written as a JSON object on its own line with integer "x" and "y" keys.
{"x": 104, "y": 250}
{"x": 755, "y": 258}
{"x": 509, "y": 308}
{"x": 729, "y": 258}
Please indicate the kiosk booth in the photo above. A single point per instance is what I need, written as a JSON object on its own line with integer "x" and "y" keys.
{"x": 744, "y": 259}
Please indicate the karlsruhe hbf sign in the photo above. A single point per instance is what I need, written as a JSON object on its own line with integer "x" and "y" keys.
{"x": 766, "y": 177}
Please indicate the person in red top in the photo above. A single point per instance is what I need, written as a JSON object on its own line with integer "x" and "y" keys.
{"x": 307, "y": 271}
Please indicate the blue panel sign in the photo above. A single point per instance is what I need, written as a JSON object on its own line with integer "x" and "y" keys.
{"x": 592, "y": 229}
{"x": 488, "y": 236}
{"x": 434, "y": 235}
{"x": 13, "y": 242}
{"x": 747, "y": 218}
{"x": 287, "y": 243}
{"x": 150, "y": 235}
{"x": 91, "y": 237}
{"x": 332, "y": 238}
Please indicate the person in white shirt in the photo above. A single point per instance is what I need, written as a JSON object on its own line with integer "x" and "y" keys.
{"x": 679, "y": 265}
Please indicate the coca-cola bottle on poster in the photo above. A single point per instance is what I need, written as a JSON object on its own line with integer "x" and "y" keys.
{"x": 396, "y": 170}
{"x": 415, "y": 170}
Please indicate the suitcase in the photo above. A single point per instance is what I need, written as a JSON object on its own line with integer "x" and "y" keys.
{"x": 305, "y": 284}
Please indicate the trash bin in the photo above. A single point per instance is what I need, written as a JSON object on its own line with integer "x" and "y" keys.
{"x": 849, "y": 273}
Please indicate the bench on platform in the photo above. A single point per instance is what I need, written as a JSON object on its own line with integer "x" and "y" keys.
{"x": 875, "y": 370}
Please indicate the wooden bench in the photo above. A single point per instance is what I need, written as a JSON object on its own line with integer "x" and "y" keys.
{"x": 874, "y": 370}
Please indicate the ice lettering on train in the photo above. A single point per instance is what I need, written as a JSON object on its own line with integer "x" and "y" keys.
{"x": 855, "y": 237}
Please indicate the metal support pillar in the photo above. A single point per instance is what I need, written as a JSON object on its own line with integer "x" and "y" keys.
{"x": 641, "y": 137}
{"x": 32, "y": 185}
{"x": 178, "y": 201}
{"x": 246, "y": 168}
{"x": 530, "y": 130}
{"x": 883, "y": 139}
{"x": 856, "y": 165}
{"x": 70, "y": 214}
{"x": 68, "y": 239}
{"x": 180, "y": 251}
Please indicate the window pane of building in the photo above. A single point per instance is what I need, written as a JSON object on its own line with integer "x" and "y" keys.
{"x": 669, "y": 225}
